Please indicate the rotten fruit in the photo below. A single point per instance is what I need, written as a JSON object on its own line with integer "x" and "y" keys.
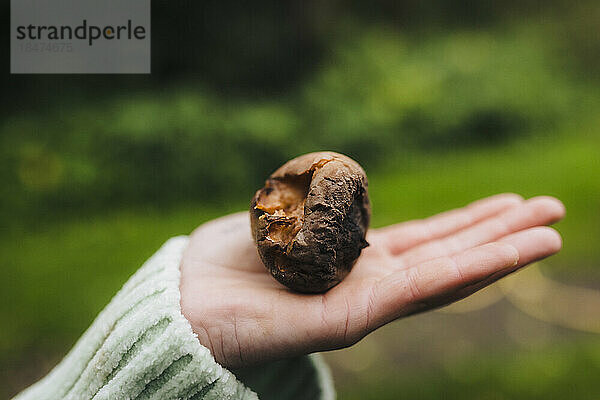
{"x": 310, "y": 220}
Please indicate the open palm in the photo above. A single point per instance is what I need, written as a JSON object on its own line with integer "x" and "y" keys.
{"x": 244, "y": 316}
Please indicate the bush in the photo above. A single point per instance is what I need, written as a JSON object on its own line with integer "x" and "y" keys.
{"x": 378, "y": 94}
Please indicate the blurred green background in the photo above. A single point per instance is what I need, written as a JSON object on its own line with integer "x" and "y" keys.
{"x": 442, "y": 102}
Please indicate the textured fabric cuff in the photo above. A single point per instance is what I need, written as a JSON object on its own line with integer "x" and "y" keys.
{"x": 142, "y": 347}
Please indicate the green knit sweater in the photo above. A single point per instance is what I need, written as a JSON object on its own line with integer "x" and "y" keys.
{"x": 141, "y": 347}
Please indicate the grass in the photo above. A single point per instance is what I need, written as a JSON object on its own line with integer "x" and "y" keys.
{"x": 58, "y": 278}
{"x": 567, "y": 371}
{"x": 567, "y": 167}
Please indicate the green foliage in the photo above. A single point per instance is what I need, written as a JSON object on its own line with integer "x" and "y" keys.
{"x": 467, "y": 88}
{"x": 378, "y": 95}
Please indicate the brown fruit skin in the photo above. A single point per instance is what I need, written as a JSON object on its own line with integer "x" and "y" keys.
{"x": 319, "y": 250}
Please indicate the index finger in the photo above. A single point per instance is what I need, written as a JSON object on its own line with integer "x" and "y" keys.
{"x": 402, "y": 236}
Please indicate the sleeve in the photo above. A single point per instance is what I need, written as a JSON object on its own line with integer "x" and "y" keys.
{"x": 141, "y": 347}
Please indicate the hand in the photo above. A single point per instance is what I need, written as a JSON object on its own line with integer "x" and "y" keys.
{"x": 244, "y": 316}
